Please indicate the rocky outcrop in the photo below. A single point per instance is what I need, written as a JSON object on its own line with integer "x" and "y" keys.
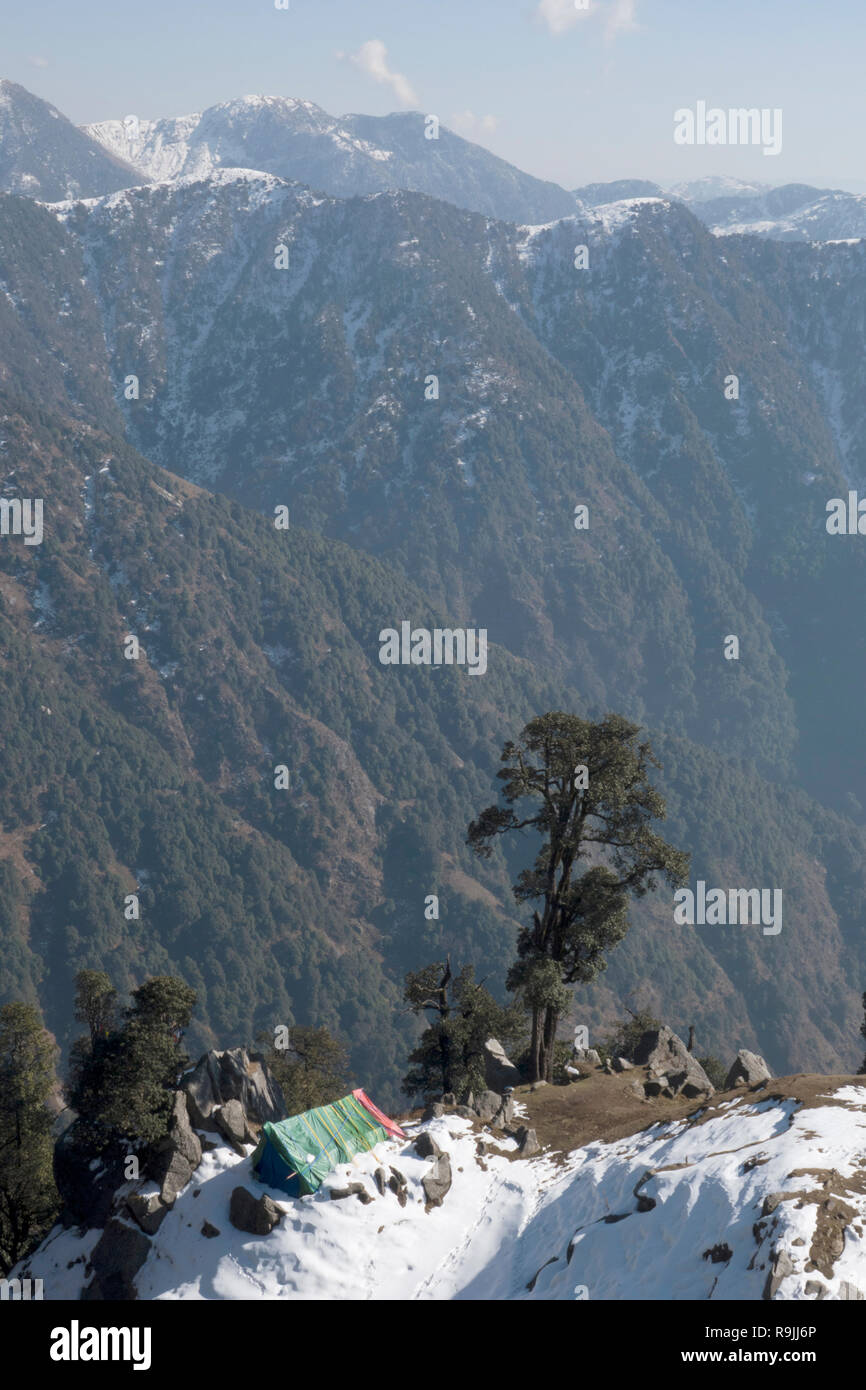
{"x": 426, "y": 1146}
{"x": 499, "y": 1071}
{"x": 177, "y": 1155}
{"x": 748, "y": 1069}
{"x": 235, "y": 1074}
{"x": 668, "y": 1060}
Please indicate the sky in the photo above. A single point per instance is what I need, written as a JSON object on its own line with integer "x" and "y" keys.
{"x": 570, "y": 94}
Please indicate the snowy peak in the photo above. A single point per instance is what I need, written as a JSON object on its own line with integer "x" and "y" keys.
{"x": 43, "y": 155}
{"x": 343, "y": 156}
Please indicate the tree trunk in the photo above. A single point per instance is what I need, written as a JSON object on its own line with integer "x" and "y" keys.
{"x": 535, "y": 1046}
{"x": 548, "y": 1038}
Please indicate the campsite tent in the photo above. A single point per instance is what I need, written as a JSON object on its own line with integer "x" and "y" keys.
{"x": 298, "y": 1153}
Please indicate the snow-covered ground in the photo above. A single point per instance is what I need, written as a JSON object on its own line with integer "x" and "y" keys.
{"x": 574, "y": 1218}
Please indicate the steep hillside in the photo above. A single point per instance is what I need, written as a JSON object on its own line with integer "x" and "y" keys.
{"x": 43, "y": 155}
{"x": 260, "y": 648}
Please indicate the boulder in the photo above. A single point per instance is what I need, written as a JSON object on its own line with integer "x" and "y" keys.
{"x": 148, "y": 1212}
{"x": 434, "y": 1111}
{"x": 505, "y": 1114}
{"x": 499, "y": 1072}
{"x": 426, "y": 1146}
{"x": 355, "y": 1189}
{"x": 588, "y": 1055}
{"x": 231, "y": 1122}
{"x": 115, "y": 1260}
{"x": 666, "y": 1055}
{"x": 465, "y": 1113}
{"x": 748, "y": 1069}
{"x": 397, "y": 1176}
{"x": 172, "y": 1171}
{"x": 259, "y": 1216}
{"x": 208, "y": 1230}
{"x": 487, "y": 1104}
{"x": 449, "y": 1098}
{"x": 436, "y": 1182}
{"x": 537, "y": 1085}
{"x": 622, "y": 1064}
{"x": 527, "y": 1142}
{"x": 380, "y": 1178}
{"x": 232, "y": 1075}
{"x": 781, "y": 1267}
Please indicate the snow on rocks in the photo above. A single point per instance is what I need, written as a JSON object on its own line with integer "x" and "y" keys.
{"x": 746, "y": 1199}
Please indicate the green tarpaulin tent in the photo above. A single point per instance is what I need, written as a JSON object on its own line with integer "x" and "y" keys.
{"x": 298, "y": 1153}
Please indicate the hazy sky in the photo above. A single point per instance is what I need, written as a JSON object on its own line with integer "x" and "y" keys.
{"x": 568, "y": 95}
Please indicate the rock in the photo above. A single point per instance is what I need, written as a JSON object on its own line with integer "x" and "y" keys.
{"x": 259, "y": 1216}
{"x": 487, "y": 1104}
{"x": 527, "y": 1142}
{"x": 435, "y": 1111}
{"x": 426, "y": 1146}
{"x": 655, "y": 1085}
{"x": 148, "y": 1212}
{"x": 172, "y": 1171}
{"x": 399, "y": 1192}
{"x": 465, "y": 1112}
{"x": 748, "y": 1070}
{"x": 637, "y": 1089}
{"x": 781, "y": 1267}
{"x": 397, "y": 1176}
{"x": 505, "y": 1114}
{"x": 355, "y": 1189}
{"x": 208, "y": 1230}
{"x": 115, "y": 1260}
{"x": 380, "y": 1178}
{"x": 622, "y": 1064}
{"x": 772, "y": 1200}
{"x": 590, "y": 1055}
{"x": 537, "y": 1085}
{"x": 719, "y": 1254}
{"x": 499, "y": 1072}
{"x": 850, "y": 1291}
{"x": 231, "y": 1122}
{"x": 449, "y": 1098}
{"x": 436, "y": 1182}
{"x": 666, "y": 1055}
{"x": 815, "y": 1290}
{"x": 232, "y": 1075}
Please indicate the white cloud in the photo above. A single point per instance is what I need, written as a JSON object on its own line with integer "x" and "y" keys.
{"x": 621, "y": 16}
{"x": 618, "y": 16}
{"x": 560, "y": 15}
{"x": 372, "y": 58}
{"x": 468, "y": 124}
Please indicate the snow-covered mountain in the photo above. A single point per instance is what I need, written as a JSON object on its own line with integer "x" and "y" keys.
{"x": 343, "y": 156}
{"x": 749, "y": 1198}
{"x": 43, "y": 155}
{"x": 793, "y": 212}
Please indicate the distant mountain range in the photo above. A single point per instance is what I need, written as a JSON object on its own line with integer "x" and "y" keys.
{"x": 432, "y": 391}
{"x": 43, "y": 155}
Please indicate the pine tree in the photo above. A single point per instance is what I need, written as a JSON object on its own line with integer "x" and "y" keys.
{"x": 28, "y": 1197}
{"x": 584, "y": 788}
{"x": 312, "y": 1068}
